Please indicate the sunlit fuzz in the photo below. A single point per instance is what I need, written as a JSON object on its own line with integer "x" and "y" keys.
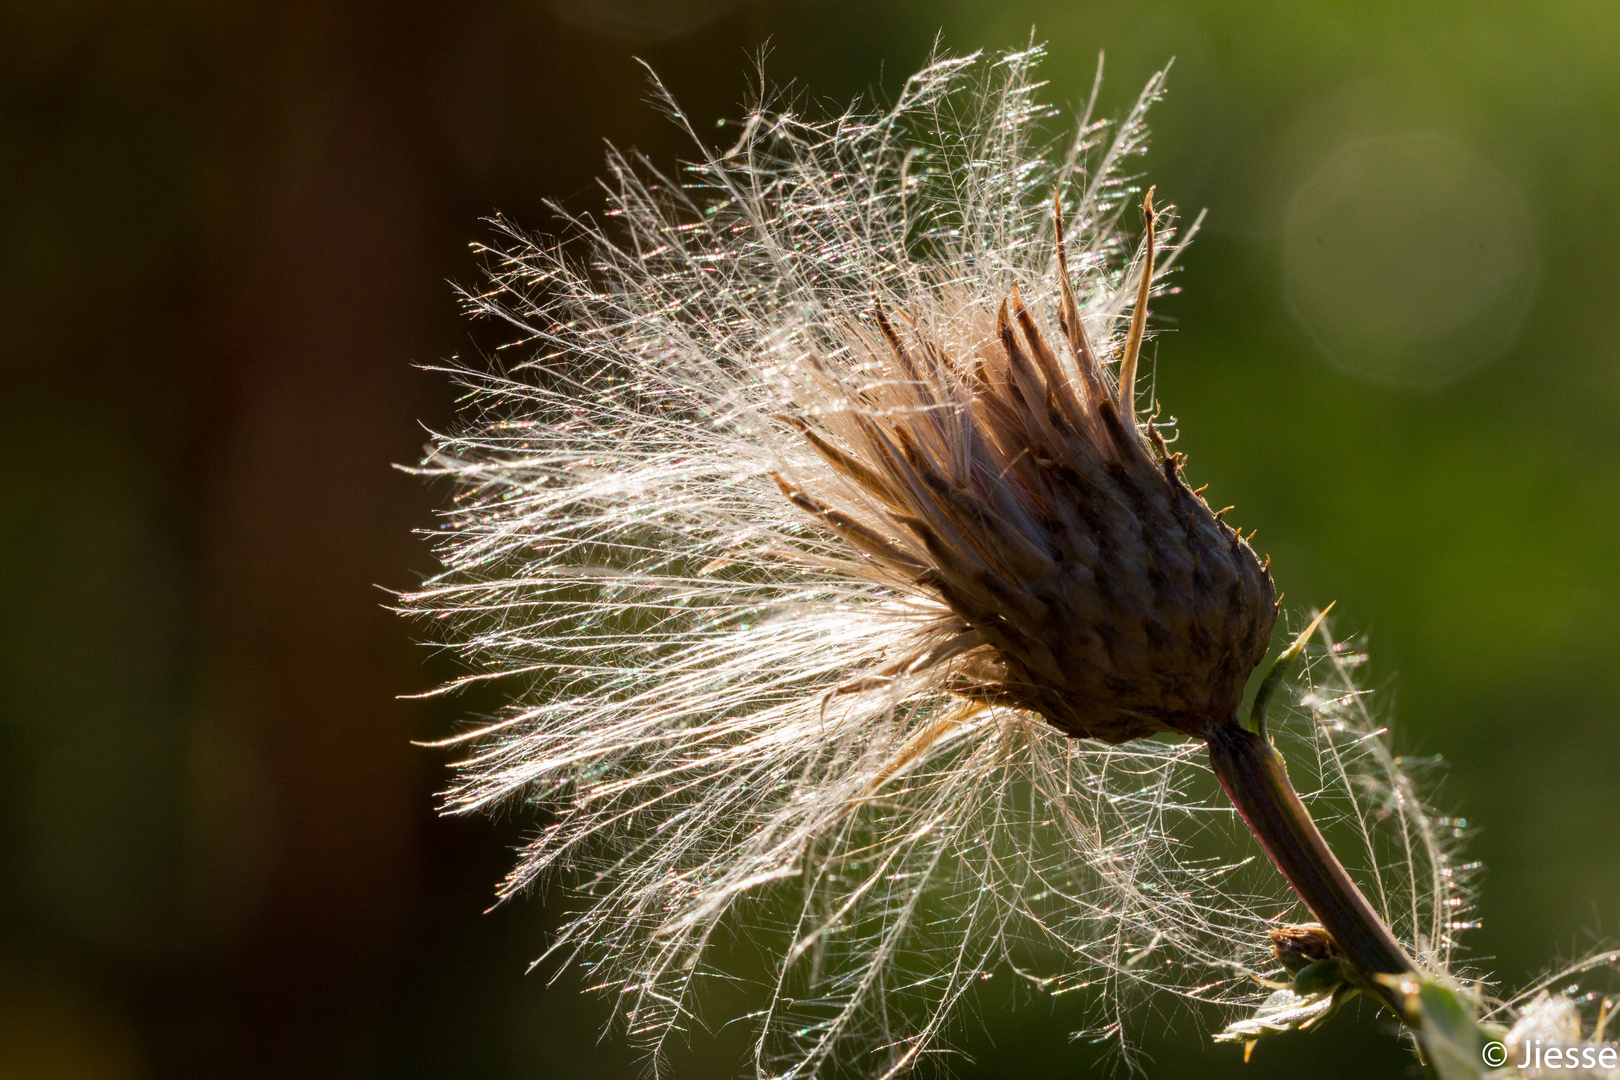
{"x": 851, "y": 607}
{"x": 1549, "y": 1037}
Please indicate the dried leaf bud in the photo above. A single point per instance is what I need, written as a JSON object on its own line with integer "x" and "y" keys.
{"x": 1298, "y": 947}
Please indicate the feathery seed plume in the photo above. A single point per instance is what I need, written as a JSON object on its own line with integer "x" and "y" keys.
{"x": 850, "y": 607}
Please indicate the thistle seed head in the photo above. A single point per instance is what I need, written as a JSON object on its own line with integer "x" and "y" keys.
{"x": 841, "y": 720}
{"x": 993, "y": 466}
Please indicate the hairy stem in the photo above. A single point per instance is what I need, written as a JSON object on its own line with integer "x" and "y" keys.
{"x": 1252, "y": 773}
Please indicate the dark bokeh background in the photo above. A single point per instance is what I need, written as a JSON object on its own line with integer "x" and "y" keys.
{"x": 225, "y": 236}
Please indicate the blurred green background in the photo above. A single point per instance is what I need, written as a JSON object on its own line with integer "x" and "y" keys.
{"x": 225, "y": 236}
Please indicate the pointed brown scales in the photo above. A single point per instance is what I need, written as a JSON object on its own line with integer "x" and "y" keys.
{"x": 846, "y": 464}
{"x": 1133, "y": 343}
{"x": 1108, "y": 597}
{"x": 1069, "y": 319}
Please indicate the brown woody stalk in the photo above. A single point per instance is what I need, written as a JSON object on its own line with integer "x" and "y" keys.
{"x": 1251, "y": 771}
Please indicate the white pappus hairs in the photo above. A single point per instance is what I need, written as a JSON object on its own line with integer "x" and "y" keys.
{"x": 759, "y": 519}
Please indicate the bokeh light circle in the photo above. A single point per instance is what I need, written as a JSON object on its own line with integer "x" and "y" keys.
{"x": 1409, "y": 260}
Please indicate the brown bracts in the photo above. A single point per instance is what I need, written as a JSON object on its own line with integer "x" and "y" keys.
{"x": 1089, "y": 583}
{"x": 1009, "y": 481}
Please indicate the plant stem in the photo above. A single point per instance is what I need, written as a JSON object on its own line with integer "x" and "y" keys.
{"x": 1252, "y": 773}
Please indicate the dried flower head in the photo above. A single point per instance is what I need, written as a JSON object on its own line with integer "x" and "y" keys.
{"x": 842, "y": 588}
{"x": 1000, "y": 484}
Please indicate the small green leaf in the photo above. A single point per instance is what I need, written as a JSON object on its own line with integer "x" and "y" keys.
{"x": 1276, "y": 672}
